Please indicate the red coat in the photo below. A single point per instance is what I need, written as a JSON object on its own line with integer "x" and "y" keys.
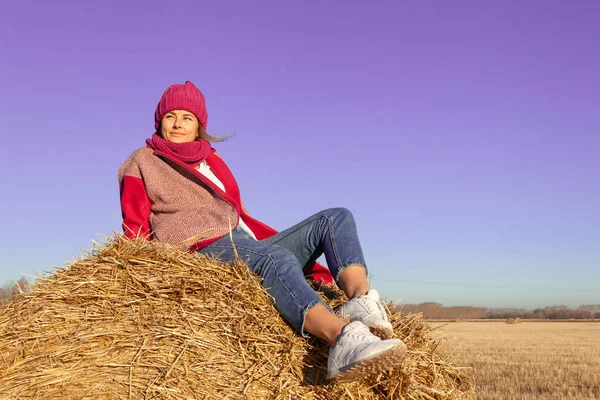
{"x": 169, "y": 201}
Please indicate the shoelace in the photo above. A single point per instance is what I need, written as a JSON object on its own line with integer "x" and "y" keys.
{"x": 368, "y": 303}
{"x": 361, "y": 333}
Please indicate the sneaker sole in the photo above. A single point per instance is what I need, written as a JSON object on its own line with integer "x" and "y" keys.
{"x": 374, "y": 365}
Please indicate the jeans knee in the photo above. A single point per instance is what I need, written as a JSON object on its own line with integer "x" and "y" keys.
{"x": 341, "y": 213}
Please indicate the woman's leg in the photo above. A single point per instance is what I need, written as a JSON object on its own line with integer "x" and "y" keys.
{"x": 322, "y": 323}
{"x": 354, "y": 351}
{"x": 353, "y": 281}
{"x": 282, "y": 277}
{"x": 332, "y": 232}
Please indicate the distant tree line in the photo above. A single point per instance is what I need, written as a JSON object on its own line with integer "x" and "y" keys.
{"x": 12, "y": 288}
{"x": 584, "y": 311}
{"x": 432, "y": 310}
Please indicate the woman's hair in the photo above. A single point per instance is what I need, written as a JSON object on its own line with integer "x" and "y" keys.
{"x": 201, "y": 134}
{"x": 210, "y": 138}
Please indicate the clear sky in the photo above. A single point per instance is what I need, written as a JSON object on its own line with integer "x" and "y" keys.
{"x": 463, "y": 135}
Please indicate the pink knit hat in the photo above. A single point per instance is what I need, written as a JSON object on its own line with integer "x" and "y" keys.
{"x": 182, "y": 97}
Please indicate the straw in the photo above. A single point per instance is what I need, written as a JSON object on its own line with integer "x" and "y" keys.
{"x": 141, "y": 320}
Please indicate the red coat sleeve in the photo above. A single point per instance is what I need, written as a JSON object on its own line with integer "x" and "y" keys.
{"x": 135, "y": 208}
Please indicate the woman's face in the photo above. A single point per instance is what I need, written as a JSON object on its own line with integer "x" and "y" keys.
{"x": 179, "y": 126}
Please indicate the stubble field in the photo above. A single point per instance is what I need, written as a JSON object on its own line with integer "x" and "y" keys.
{"x": 530, "y": 360}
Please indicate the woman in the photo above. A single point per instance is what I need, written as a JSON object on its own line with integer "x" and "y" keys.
{"x": 178, "y": 190}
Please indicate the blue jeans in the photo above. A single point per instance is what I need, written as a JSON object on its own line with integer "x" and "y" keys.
{"x": 279, "y": 260}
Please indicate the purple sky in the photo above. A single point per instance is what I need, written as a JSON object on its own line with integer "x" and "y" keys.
{"x": 463, "y": 135}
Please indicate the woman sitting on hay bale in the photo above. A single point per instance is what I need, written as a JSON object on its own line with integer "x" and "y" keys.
{"x": 178, "y": 190}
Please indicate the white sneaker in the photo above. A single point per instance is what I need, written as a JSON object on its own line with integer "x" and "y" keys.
{"x": 369, "y": 310}
{"x": 359, "y": 353}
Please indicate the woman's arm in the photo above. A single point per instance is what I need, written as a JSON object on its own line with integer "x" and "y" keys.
{"x": 135, "y": 204}
{"x": 135, "y": 208}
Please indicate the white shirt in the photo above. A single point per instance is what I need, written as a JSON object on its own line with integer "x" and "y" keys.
{"x": 205, "y": 170}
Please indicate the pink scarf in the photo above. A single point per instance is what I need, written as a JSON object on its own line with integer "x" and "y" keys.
{"x": 190, "y": 152}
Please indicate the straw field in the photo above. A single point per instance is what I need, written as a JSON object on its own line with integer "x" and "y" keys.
{"x": 137, "y": 320}
{"x": 530, "y": 360}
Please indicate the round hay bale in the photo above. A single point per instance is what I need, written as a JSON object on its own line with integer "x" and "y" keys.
{"x": 136, "y": 319}
{"x": 511, "y": 321}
